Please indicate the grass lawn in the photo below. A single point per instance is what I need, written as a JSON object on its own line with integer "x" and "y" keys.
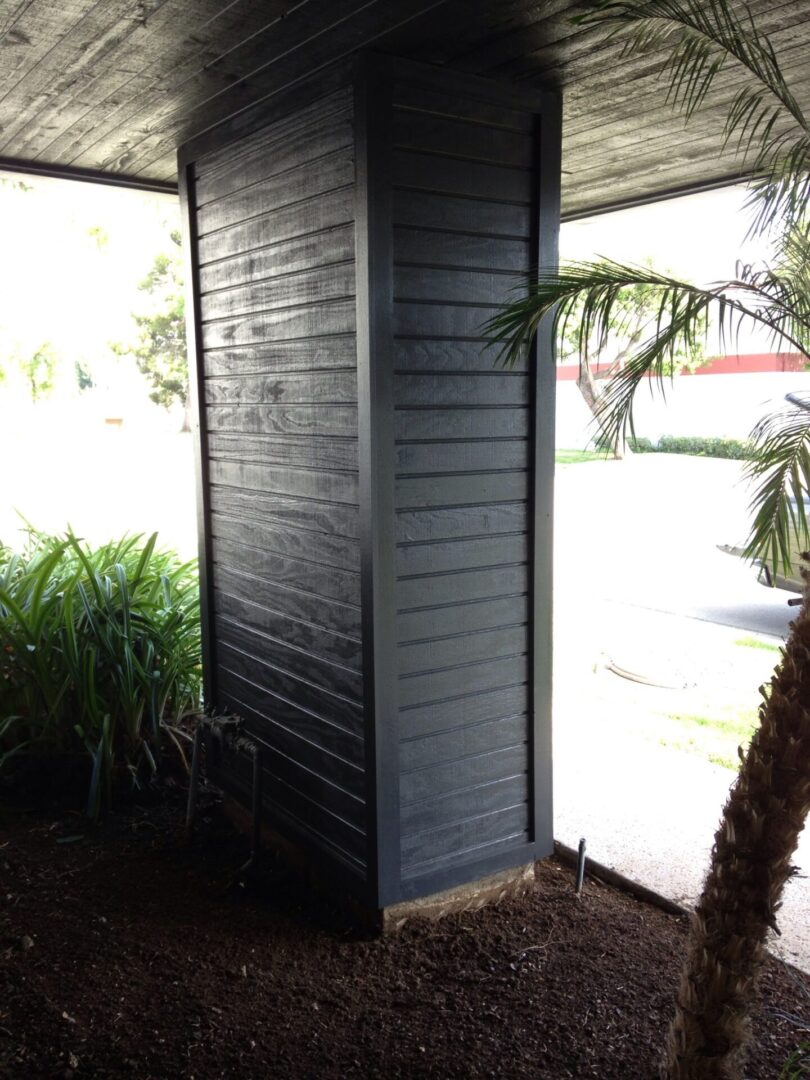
{"x": 715, "y": 738}
{"x": 573, "y": 457}
{"x": 718, "y": 734}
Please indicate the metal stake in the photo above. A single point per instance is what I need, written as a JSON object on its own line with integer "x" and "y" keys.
{"x": 194, "y": 779}
{"x": 580, "y": 865}
{"x": 258, "y": 785}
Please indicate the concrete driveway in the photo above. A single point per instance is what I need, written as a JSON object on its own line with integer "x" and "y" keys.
{"x": 642, "y": 589}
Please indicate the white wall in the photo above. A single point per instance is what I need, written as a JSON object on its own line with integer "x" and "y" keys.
{"x": 725, "y": 406}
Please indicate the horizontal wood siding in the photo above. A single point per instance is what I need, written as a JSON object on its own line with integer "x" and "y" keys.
{"x": 276, "y": 278}
{"x": 464, "y": 183}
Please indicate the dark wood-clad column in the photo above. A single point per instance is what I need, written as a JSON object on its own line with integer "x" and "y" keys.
{"x": 375, "y": 492}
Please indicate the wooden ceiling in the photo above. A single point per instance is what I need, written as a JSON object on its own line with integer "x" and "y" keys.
{"x": 114, "y": 86}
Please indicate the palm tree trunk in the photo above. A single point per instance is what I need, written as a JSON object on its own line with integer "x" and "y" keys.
{"x": 750, "y": 864}
{"x": 590, "y": 393}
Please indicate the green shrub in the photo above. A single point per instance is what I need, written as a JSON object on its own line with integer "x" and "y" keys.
{"x": 697, "y": 445}
{"x": 798, "y": 1064}
{"x": 642, "y": 446}
{"x": 99, "y": 654}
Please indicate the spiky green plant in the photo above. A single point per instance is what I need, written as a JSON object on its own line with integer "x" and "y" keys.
{"x": 99, "y": 653}
{"x": 767, "y": 126}
{"x": 769, "y": 803}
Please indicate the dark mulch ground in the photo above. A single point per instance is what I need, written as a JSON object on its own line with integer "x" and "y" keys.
{"x": 131, "y": 954}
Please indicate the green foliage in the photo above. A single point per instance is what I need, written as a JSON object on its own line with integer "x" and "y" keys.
{"x": 99, "y": 653}
{"x": 84, "y": 376}
{"x": 588, "y": 297}
{"x": 697, "y": 445}
{"x": 764, "y": 121}
{"x": 798, "y": 1064}
{"x": 160, "y": 352}
{"x": 780, "y": 469}
{"x": 756, "y": 643}
{"x": 39, "y": 370}
{"x": 574, "y": 457}
{"x": 99, "y": 235}
{"x": 632, "y": 317}
{"x": 769, "y": 131}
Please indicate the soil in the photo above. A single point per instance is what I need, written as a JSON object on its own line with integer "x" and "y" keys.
{"x": 129, "y": 952}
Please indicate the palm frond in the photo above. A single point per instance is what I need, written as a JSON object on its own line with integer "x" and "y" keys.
{"x": 780, "y": 469}
{"x": 592, "y": 294}
{"x": 765, "y": 123}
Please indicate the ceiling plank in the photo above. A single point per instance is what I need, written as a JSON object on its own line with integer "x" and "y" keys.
{"x": 164, "y": 41}
{"x": 101, "y": 32}
{"x": 302, "y": 43}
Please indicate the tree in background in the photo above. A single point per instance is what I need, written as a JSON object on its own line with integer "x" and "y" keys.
{"x": 770, "y": 798}
{"x": 602, "y": 357}
{"x": 39, "y": 370}
{"x": 84, "y": 376}
{"x": 160, "y": 352}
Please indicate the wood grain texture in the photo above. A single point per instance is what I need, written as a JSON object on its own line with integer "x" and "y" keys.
{"x": 461, "y": 423}
{"x": 442, "y": 622}
{"x": 279, "y": 224}
{"x": 461, "y": 489}
{"x": 457, "y": 214}
{"x": 463, "y": 229}
{"x": 482, "y": 180}
{"x": 329, "y": 421}
{"x": 288, "y": 661}
{"x": 312, "y": 740}
{"x": 442, "y": 683}
{"x": 370, "y": 468}
{"x": 463, "y": 711}
{"x": 460, "y": 456}
{"x": 333, "y": 317}
{"x": 293, "y": 541}
{"x": 301, "y": 253}
{"x": 290, "y": 605}
{"x": 465, "y": 839}
{"x": 299, "y": 388}
{"x": 474, "y": 106}
{"x": 323, "y": 353}
{"x": 472, "y": 739}
{"x": 311, "y": 133}
{"x": 276, "y": 290}
{"x": 448, "y": 523}
{"x": 463, "y": 554}
{"x": 333, "y": 710}
{"x": 462, "y": 137}
{"x": 441, "y": 247}
{"x": 314, "y": 453}
{"x": 308, "y": 180}
{"x": 118, "y": 88}
{"x": 308, "y": 483}
{"x": 491, "y": 797}
{"x": 319, "y": 581}
{"x": 422, "y": 657}
{"x": 305, "y": 513}
{"x": 436, "y": 780}
{"x": 491, "y": 389}
{"x": 295, "y": 632}
{"x": 334, "y": 282}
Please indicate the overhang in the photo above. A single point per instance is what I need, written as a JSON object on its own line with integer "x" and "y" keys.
{"x": 111, "y": 88}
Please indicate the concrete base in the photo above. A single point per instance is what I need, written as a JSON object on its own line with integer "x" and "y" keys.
{"x": 489, "y": 890}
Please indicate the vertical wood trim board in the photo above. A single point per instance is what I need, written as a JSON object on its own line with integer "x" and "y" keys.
{"x": 196, "y": 368}
{"x": 376, "y": 390}
{"x": 549, "y": 175}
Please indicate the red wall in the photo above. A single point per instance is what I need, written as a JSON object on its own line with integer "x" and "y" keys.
{"x": 721, "y": 365}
